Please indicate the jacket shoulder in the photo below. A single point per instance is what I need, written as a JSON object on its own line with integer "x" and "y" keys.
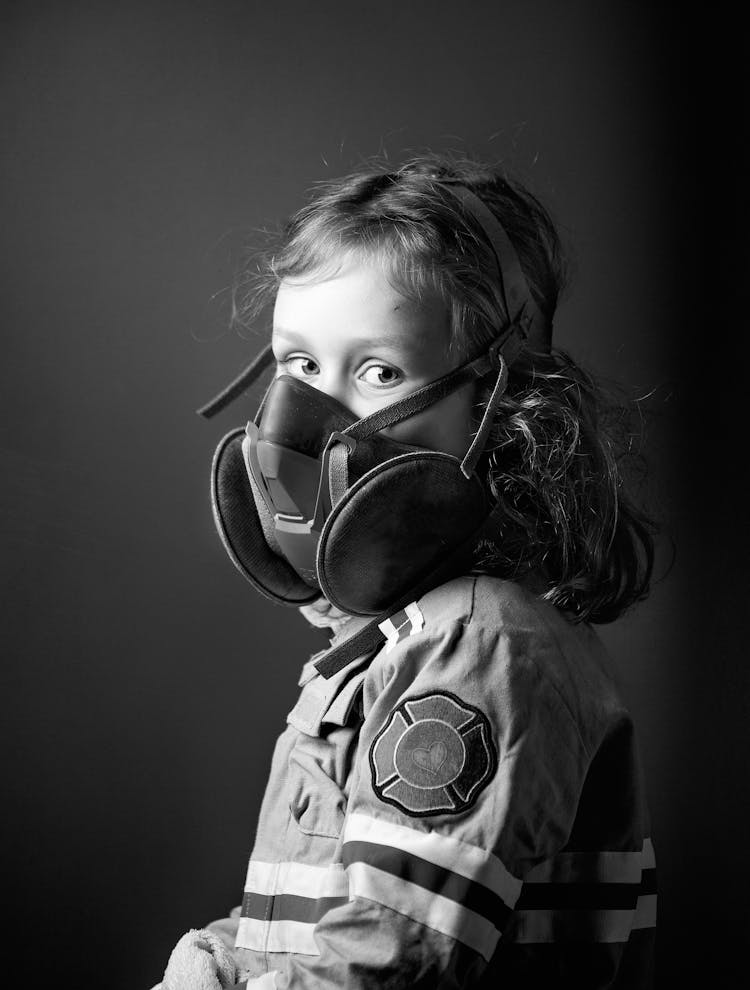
{"x": 501, "y": 635}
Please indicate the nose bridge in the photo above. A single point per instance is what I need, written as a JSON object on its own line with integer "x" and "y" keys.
{"x": 334, "y": 381}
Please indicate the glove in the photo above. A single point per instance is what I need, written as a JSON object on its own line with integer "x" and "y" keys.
{"x": 199, "y": 961}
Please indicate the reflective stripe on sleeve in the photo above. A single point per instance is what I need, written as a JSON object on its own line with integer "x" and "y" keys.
{"x": 447, "y": 885}
{"x": 458, "y": 857}
{"x": 572, "y": 926}
{"x": 277, "y": 936}
{"x": 283, "y": 902}
{"x": 288, "y": 906}
{"x": 586, "y": 867}
{"x": 440, "y": 913}
{"x": 296, "y": 878}
{"x": 587, "y": 897}
{"x": 595, "y": 867}
{"x": 645, "y": 912}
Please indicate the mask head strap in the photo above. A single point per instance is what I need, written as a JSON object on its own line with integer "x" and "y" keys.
{"x": 526, "y": 326}
{"x": 240, "y": 384}
{"x": 517, "y": 298}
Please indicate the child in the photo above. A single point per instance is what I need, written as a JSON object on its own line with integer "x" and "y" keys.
{"x": 456, "y": 800}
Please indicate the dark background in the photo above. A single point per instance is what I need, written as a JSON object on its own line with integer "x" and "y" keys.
{"x": 144, "y": 682}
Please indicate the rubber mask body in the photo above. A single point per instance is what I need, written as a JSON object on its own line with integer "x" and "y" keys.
{"x": 287, "y": 458}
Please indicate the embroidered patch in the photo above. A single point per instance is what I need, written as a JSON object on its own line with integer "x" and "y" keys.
{"x": 408, "y": 622}
{"x": 433, "y": 756}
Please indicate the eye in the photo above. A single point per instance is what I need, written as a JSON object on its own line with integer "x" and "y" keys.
{"x": 300, "y": 366}
{"x": 380, "y": 376}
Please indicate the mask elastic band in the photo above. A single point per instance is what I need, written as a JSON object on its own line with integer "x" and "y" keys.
{"x": 241, "y": 383}
{"x": 504, "y": 355}
{"x": 427, "y": 395}
{"x": 480, "y": 440}
{"x": 500, "y": 355}
{"x": 516, "y": 296}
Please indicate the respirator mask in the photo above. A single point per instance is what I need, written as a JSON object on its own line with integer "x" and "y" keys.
{"x": 309, "y": 500}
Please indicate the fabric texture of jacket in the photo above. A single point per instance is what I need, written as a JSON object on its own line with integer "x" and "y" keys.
{"x": 463, "y": 809}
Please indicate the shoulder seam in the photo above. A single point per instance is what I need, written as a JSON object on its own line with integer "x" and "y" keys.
{"x": 473, "y": 598}
{"x": 543, "y": 673}
{"x": 564, "y": 702}
{"x": 554, "y": 686}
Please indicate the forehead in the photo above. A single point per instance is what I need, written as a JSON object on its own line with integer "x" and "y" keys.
{"x": 359, "y": 302}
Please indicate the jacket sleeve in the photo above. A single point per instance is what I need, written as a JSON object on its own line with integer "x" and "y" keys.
{"x": 467, "y": 773}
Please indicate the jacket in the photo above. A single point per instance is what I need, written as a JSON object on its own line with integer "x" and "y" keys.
{"x": 465, "y": 808}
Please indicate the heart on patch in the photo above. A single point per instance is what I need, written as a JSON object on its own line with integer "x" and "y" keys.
{"x": 431, "y": 759}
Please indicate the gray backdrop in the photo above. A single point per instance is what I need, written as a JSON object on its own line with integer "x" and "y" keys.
{"x": 144, "y": 681}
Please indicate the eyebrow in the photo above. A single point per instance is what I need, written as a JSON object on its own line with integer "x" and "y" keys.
{"x": 388, "y": 339}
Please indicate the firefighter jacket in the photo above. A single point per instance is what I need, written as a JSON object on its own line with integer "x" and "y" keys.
{"x": 462, "y": 809}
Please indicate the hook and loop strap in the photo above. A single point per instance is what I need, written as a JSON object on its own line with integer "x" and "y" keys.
{"x": 241, "y": 383}
{"x": 370, "y": 637}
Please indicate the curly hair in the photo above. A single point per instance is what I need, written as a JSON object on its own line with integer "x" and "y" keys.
{"x": 561, "y": 457}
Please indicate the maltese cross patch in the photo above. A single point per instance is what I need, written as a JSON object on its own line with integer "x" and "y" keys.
{"x": 433, "y": 756}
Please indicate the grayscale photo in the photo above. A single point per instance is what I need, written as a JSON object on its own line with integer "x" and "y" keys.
{"x": 372, "y": 529}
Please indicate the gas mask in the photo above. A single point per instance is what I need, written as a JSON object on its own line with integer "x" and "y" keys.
{"x": 309, "y": 500}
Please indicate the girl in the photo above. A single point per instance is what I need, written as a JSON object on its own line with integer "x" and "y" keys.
{"x": 456, "y": 800}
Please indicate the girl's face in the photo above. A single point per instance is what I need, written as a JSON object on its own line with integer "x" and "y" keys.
{"x": 358, "y": 339}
